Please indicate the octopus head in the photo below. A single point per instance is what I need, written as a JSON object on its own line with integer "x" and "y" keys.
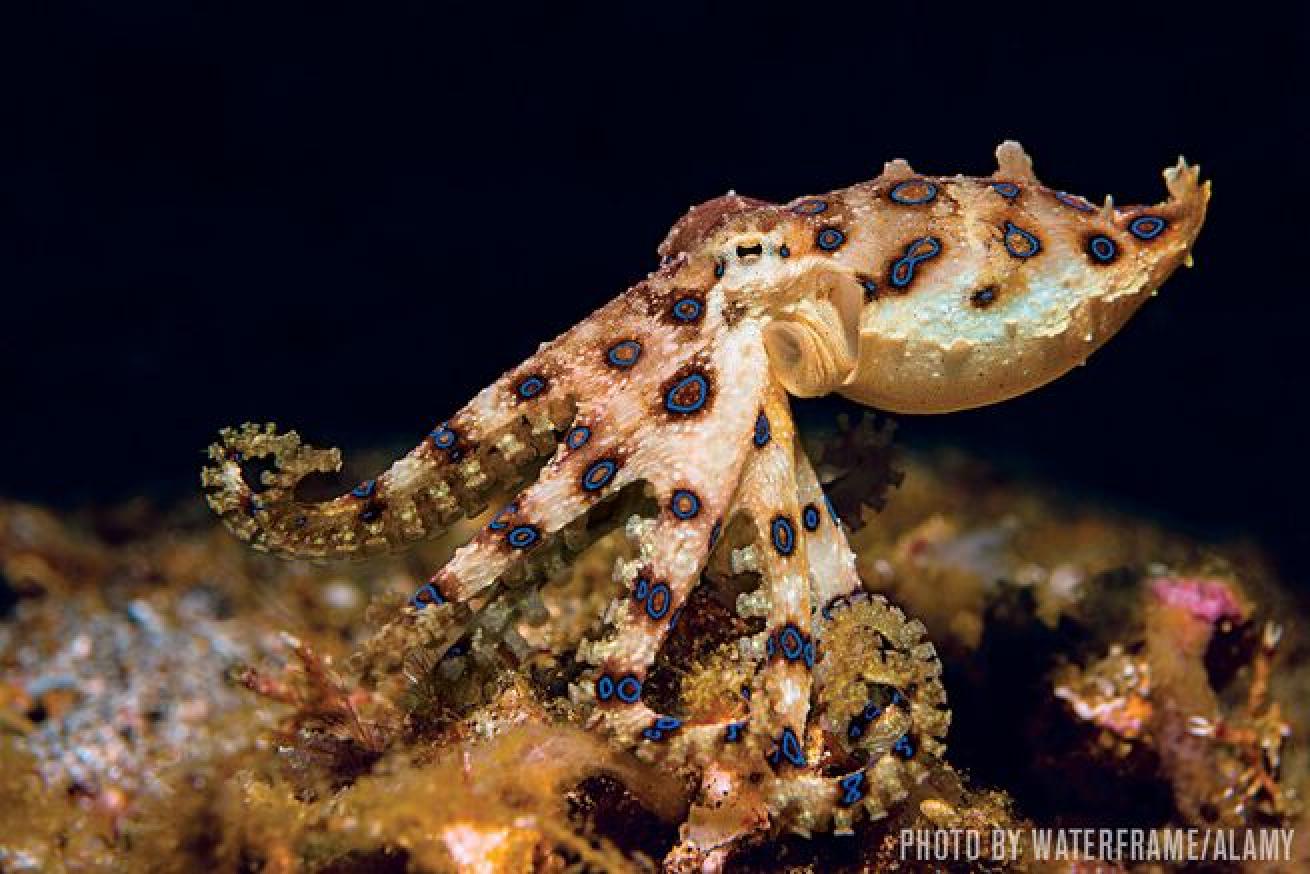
{"x": 1007, "y": 299}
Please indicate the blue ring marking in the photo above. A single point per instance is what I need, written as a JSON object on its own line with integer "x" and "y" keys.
{"x": 904, "y": 747}
{"x": 1102, "y": 248}
{"x": 1147, "y": 227}
{"x": 599, "y": 474}
{"x": 624, "y": 354}
{"x": 791, "y": 748}
{"x": 920, "y": 250}
{"x": 793, "y": 645}
{"x": 530, "y": 387}
{"x": 688, "y": 498}
{"x": 577, "y": 436}
{"x": 829, "y": 239}
{"x": 784, "y": 536}
{"x": 810, "y": 206}
{"x": 810, "y": 517}
{"x": 809, "y": 653}
{"x": 1008, "y": 190}
{"x": 702, "y": 394}
{"x": 1074, "y": 201}
{"x": 641, "y": 589}
{"x": 733, "y": 732}
{"x": 668, "y": 723}
{"x": 605, "y": 687}
{"x": 364, "y": 489}
{"x": 687, "y": 309}
{"x": 763, "y": 433}
{"x": 523, "y": 536}
{"x": 665, "y": 596}
{"x": 832, "y": 511}
{"x": 434, "y": 597}
{"x": 897, "y": 195}
{"x": 1034, "y": 245}
{"x": 851, "y": 784}
{"x": 770, "y": 646}
{"x": 501, "y": 519}
{"x": 443, "y": 437}
{"x": 633, "y": 689}
{"x": 784, "y": 251}
{"x": 870, "y": 287}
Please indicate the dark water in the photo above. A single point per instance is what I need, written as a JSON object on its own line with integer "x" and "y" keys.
{"x": 352, "y": 220}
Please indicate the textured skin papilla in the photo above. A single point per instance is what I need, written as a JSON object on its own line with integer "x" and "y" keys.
{"x": 907, "y": 292}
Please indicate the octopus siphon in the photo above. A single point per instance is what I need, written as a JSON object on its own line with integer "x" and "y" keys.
{"x": 908, "y": 293}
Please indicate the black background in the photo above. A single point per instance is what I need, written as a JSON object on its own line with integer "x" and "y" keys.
{"x": 351, "y": 220}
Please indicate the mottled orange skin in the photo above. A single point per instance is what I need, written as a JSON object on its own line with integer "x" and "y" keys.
{"x": 911, "y": 293}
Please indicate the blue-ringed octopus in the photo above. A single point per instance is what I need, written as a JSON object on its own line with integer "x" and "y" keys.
{"x": 908, "y": 293}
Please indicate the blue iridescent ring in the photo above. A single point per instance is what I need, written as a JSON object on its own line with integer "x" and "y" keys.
{"x": 523, "y": 536}
{"x": 1102, "y": 248}
{"x": 1074, "y": 201}
{"x": 791, "y": 748}
{"x": 1008, "y": 190}
{"x": 1147, "y": 227}
{"x": 443, "y": 437}
{"x": 628, "y": 689}
{"x": 641, "y": 588}
{"x": 577, "y": 436}
{"x": 784, "y": 536}
{"x": 624, "y": 354}
{"x": 687, "y": 309}
{"x": 530, "y": 387}
{"x": 810, "y": 517}
{"x": 657, "y": 605}
{"x": 829, "y": 239}
{"x": 364, "y": 489}
{"x": 1020, "y": 243}
{"x": 913, "y": 192}
{"x": 501, "y": 520}
{"x": 851, "y": 788}
{"x": 605, "y": 687}
{"x": 696, "y": 383}
{"x": 599, "y": 474}
{"x": 793, "y": 646}
{"x": 426, "y": 595}
{"x": 685, "y": 504}
{"x": 762, "y": 432}
{"x": 668, "y": 723}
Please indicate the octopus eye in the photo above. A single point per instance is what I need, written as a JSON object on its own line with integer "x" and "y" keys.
{"x": 748, "y": 251}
